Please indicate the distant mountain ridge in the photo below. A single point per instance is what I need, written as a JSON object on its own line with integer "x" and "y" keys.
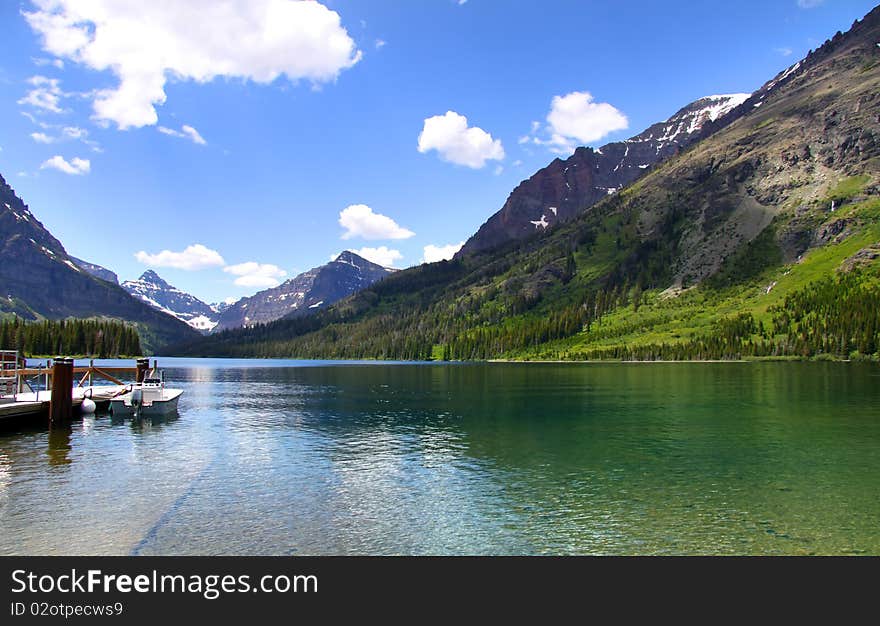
{"x": 315, "y": 289}
{"x": 153, "y": 290}
{"x": 97, "y": 271}
{"x": 565, "y": 188}
{"x": 38, "y": 279}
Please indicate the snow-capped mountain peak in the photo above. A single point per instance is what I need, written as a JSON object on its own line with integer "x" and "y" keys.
{"x": 317, "y": 288}
{"x": 153, "y": 290}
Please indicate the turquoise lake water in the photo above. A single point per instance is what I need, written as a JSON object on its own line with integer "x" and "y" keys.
{"x": 302, "y": 457}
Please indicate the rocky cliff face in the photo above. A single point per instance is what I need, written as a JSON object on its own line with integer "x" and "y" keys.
{"x": 567, "y": 187}
{"x": 306, "y": 293}
{"x": 39, "y": 279}
{"x": 159, "y": 294}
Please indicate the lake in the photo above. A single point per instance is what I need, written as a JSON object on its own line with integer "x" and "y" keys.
{"x": 310, "y": 457}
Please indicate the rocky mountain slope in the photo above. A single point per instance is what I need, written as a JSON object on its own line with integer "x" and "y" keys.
{"x": 306, "y": 293}
{"x": 567, "y": 187}
{"x": 762, "y": 238}
{"x": 38, "y": 279}
{"x": 96, "y": 270}
{"x": 157, "y": 293}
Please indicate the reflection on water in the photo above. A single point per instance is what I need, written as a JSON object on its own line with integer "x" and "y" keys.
{"x": 312, "y": 458}
{"x": 59, "y": 446}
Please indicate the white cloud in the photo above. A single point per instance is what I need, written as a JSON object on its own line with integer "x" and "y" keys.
{"x": 380, "y": 43}
{"x": 382, "y": 255}
{"x": 457, "y": 143}
{"x": 359, "y": 220}
{"x": 576, "y": 119}
{"x": 56, "y": 63}
{"x": 185, "y": 132}
{"x": 253, "y": 274}
{"x": 145, "y": 43}
{"x": 576, "y": 116}
{"x": 433, "y": 253}
{"x": 786, "y": 52}
{"x": 809, "y": 4}
{"x": 74, "y": 132}
{"x": 76, "y": 166}
{"x": 37, "y": 122}
{"x": 194, "y": 257}
{"x": 46, "y": 94}
{"x": 68, "y": 133}
{"x": 499, "y": 169}
{"x": 230, "y": 300}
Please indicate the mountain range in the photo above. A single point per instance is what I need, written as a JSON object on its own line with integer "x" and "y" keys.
{"x": 306, "y": 293}
{"x": 560, "y": 191}
{"x": 718, "y": 232}
{"x": 757, "y": 232}
{"x": 40, "y": 280}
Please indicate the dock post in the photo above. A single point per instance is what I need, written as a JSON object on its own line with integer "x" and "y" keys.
{"x": 143, "y": 366}
{"x": 61, "y": 401}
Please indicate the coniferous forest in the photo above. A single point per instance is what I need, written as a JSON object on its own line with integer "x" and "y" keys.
{"x": 89, "y": 337}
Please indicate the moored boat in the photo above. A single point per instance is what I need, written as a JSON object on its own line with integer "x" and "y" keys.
{"x": 147, "y": 399}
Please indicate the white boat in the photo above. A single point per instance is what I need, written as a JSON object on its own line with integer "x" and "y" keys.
{"x": 147, "y": 399}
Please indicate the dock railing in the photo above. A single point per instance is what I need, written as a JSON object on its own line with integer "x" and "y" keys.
{"x": 10, "y": 364}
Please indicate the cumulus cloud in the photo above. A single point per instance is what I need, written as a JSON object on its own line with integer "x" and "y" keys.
{"x": 46, "y": 94}
{"x": 41, "y": 138}
{"x": 433, "y": 253}
{"x": 785, "y": 51}
{"x": 185, "y": 132}
{"x": 576, "y": 119}
{"x": 809, "y": 4}
{"x": 382, "y": 255}
{"x": 253, "y": 274}
{"x": 359, "y": 220}
{"x": 457, "y": 143}
{"x": 194, "y": 257}
{"x": 76, "y": 166}
{"x": 145, "y": 43}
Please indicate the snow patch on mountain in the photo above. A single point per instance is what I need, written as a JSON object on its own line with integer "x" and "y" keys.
{"x": 153, "y": 290}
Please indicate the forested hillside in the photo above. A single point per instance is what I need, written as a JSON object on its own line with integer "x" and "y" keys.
{"x": 762, "y": 239}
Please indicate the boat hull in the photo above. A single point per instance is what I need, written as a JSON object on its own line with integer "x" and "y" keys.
{"x": 156, "y": 407}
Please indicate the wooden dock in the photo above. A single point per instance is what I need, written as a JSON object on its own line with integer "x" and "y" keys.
{"x": 13, "y": 410}
{"x": 63, "y": 394}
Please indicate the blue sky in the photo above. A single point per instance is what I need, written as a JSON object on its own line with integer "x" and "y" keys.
{"x": 252, "y": 143}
